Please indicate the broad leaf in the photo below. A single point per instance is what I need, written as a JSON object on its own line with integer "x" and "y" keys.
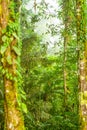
{"x": 24, "y": 108}
{"x": 3, "y": 49}
{"x": 17, "y": 51}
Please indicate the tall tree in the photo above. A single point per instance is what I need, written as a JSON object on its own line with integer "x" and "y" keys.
{"x": 81, "y": 43}
{"x": 10, "y": 52}
{"x": 66, "y": 41}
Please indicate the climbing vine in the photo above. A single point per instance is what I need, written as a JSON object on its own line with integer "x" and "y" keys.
{"x": 10, "y": 51}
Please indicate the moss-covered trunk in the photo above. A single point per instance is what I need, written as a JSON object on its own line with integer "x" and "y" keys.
{"x": 9, "y": 52}
{"x": 81, "y": 41}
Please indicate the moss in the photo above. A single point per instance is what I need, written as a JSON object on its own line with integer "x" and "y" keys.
{"x": 13, "y": 116}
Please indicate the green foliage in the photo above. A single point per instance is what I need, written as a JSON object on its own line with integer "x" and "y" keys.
{"x": 43, "y": 75}
{"x": 43, "y": 100}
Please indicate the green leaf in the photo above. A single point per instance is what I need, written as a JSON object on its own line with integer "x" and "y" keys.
{"x": 2, "y": 60}
{"x": 18, "y": 73}
{"x": 15, "y": 79}
{"x": 3, "y": 49}
{"x": 7, "y": 76}
{"x": 23, "y": 96}
{"x": 3, "y": 71}
{"x": 17, "y": 51}
{"x": 4, "y": 38}
{"x": 15, "y": 35}
{"x": 24, "y": 108}
{"x": 1, "y": 68}
{"x": 11, "y": 38}
{"x": 3, "y": 31}
{"x": 9, "y": 59}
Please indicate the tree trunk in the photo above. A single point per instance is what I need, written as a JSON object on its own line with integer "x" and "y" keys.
{"x": 9, "y": 44}
{"x": 81, "y": 43}
{"x": 66, "y": 41}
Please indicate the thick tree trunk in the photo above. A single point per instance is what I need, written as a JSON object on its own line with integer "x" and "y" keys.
{"x": 13, "y": 116}
{"x": 81, "y": 42}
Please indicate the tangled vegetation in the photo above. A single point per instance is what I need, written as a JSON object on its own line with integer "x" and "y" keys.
{"x": 43, "y": 65}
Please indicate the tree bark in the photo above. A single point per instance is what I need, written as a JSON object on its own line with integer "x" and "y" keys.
{"x": 66, "y": 41}
{"x": 13, "y": 115}
{"x": 82, "y": 63}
